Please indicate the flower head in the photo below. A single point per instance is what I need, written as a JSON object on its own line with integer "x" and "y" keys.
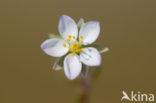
{"x": 74, "y": 46}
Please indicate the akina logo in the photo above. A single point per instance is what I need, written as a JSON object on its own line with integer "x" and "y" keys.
{"x": 137, "y": 96}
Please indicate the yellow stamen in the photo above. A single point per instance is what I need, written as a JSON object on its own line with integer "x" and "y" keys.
{"x": 82, "y": 49}
{"x": 73, "y": 54}
{"x": 77, "y": 50}
{"x": 64, "y": 44}
{"x": 75, "y": 47}
{"x": 73, "y": 37}
{"x": 81, "y": 42}
{"x": 81, "y": 37}
{"x": 69, "y": 36}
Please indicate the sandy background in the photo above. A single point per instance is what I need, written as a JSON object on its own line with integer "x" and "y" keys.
{"x": 128, "y": 28}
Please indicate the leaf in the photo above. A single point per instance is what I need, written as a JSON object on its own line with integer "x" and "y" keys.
{"x": 54, "y": 36}
{"x": 101, "y": 49}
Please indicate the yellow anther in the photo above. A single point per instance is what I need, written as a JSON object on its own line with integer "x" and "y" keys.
{"x": 81, "y": 42}
{"x": 73, "y": 37}
{"x": 81, "y": 37}
{"x": 77, "y": 50}
{"x": 64, "y": 44}
{"x": 69, "y": 36}
{"x": 75, "y": 46}
{"x": 82, "y": 49}
{"x": 73, "y": 54}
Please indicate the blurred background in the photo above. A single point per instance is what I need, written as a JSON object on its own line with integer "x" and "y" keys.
{"x": 128, "y": 28}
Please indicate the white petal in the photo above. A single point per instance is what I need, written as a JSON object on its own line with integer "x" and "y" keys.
{"x": 54, "y": 47}
{"x": 72, "y": 66}
{"x": 67, "y": 26}
{"x": 90, "y": 57}
{"x": 90, "y": 32}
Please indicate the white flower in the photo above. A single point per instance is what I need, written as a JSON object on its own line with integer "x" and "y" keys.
{"x": 73, "y": 45}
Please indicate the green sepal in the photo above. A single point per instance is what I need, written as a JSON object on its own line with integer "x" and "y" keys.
{"x": 100, "y": 48}
{"x": 58, "y": 65}
{"x": 54, "y": 36}
{"x": 80, "y": 23}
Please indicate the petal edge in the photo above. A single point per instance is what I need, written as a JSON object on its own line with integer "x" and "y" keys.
{"x": 90, "y": 32}
{"x": 54, "y": 47}
{"x": 90, "y": 57}
{"x": 67, "y": 26}
{"x": 72, "y": 66}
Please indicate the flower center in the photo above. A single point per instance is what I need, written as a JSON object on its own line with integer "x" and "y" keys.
{"x": 75, "y": 47}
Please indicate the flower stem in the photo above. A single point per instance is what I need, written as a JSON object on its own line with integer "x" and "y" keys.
{"x": 84, "y": 90}
{"x": 84, "y": 87}
{"x": 87, "y": 77}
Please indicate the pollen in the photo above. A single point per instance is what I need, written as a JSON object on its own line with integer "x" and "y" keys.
{"x": 73, "y": 54}
{"x": 81, "y": 42}
{"x": 81, "y": 37}
{"x": 64, "y": 45}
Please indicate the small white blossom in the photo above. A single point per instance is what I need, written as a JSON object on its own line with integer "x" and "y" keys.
{"x": 73, "y": 44}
